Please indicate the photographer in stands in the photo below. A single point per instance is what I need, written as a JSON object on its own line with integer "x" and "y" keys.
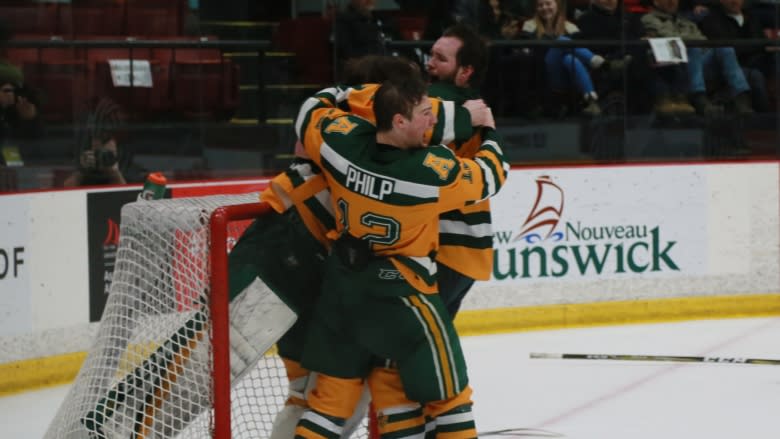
{"x": 18, "y": 114}
{"x": 99, "y": 156}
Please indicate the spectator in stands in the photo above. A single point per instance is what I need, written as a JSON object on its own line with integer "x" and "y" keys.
{"x": 99, "y": 164}
{"x": 467, "y": 12}
{"x": 728, "y": 21}
{"x": 443, "y": 14}
{"x": 496, "y": 22}
{"x": 508, "y": 75}
{"x": 19, "y": 119}
{"x": 608, "y": 20}
{"x": 99, "y": 157}
{"x": 703, "y": 63}
{"x": 564, "y": 66}
{"x": 358, "y": 31}
{"x": 696, "y": 10}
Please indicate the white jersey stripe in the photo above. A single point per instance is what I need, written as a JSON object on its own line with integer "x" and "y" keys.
{"x": 406, "y": 408}
{"x": 481, "y": 230}
{"x": 323, "y": 198}
{"x": 489, "y": 176}
{"x": 343, "y": 94}
{"x": 403, "y": 187}
{"x": 448, "y": 134}
{"x": 495, "y": 146}
{"x": 316, "y": 418}
{"x": 307, "y": 106}
{"x": 505, "y": 166}
{"x": 455, "y": 418}
{"x": 427, "y": 263}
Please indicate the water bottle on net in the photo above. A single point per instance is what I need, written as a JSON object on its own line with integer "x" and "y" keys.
{"x": 154, "y": 187}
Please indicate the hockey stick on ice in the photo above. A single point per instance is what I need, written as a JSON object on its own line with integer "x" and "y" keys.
{"x": 666, "y": 358}
{"x": 520, "y": 432}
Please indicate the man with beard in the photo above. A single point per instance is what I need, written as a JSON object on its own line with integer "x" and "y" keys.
{"x": 457, "y": 67}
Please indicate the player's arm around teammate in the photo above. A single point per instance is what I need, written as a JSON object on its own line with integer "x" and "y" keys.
{"x": 379, "y": 296}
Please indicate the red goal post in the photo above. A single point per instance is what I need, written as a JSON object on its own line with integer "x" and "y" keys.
{"x": 220, "y": 286}
{"x": 218, "y": 225}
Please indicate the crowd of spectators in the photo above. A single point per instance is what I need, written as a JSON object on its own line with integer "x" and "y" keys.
{"x": 583, "y": 80}
{"x": 550, "y": 58}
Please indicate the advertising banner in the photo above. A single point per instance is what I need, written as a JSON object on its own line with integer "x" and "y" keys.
{"x": 103, "y": 217}
{"x": 600, "y": 223}
{"x": 15, "y": 303}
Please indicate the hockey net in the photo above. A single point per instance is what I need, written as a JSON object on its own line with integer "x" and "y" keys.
{"x": 157, "y": 367}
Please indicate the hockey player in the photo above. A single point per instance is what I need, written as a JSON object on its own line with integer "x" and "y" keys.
{"x": 457, "y": 66}
{"x": 379, "y": 295}
{"x": 286, "y": 249}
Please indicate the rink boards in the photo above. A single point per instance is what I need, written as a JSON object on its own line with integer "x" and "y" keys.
{"x": 574, "y": 246}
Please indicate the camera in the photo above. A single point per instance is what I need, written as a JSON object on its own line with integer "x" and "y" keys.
{"x": 104, "y": 158}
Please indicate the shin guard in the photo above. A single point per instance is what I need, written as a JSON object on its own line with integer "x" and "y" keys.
{"x": 453, "y": 417}
{"x": 331, "y": 403}
{"x": 397, "y": 416}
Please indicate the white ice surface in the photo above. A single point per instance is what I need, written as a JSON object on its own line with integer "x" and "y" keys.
{"x": 587, "y": 399}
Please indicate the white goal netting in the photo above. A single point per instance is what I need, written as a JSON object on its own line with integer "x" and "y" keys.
{"x": 148, "y": 372}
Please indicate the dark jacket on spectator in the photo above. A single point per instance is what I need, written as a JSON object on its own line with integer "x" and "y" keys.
{"x": 357, "y": 35}
{"x": 13, "y": 128}
{"x": 599, "y": 24}
{"x": 718, "y": 25}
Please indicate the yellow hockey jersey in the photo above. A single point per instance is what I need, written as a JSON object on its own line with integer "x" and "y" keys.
{"x": 302, "y": 185}
{"x": 390, "y": 197}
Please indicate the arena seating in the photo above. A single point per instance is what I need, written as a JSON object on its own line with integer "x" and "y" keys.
{"x": 64, "y": 86}
{"x": 30, "y": 18}
{"x": 47, "y": 69}
{"x": 77, "y": 22}
{"x": 309, "y": 38}
{"x": 155, "y": 17}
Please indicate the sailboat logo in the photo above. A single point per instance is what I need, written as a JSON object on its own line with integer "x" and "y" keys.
{"x": 546, "y": 213}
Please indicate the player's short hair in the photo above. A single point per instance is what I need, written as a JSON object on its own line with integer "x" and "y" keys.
{"x": 397, "y": 97}
{"x": 473, "y": 52}
{"x": 375, "y": 69}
